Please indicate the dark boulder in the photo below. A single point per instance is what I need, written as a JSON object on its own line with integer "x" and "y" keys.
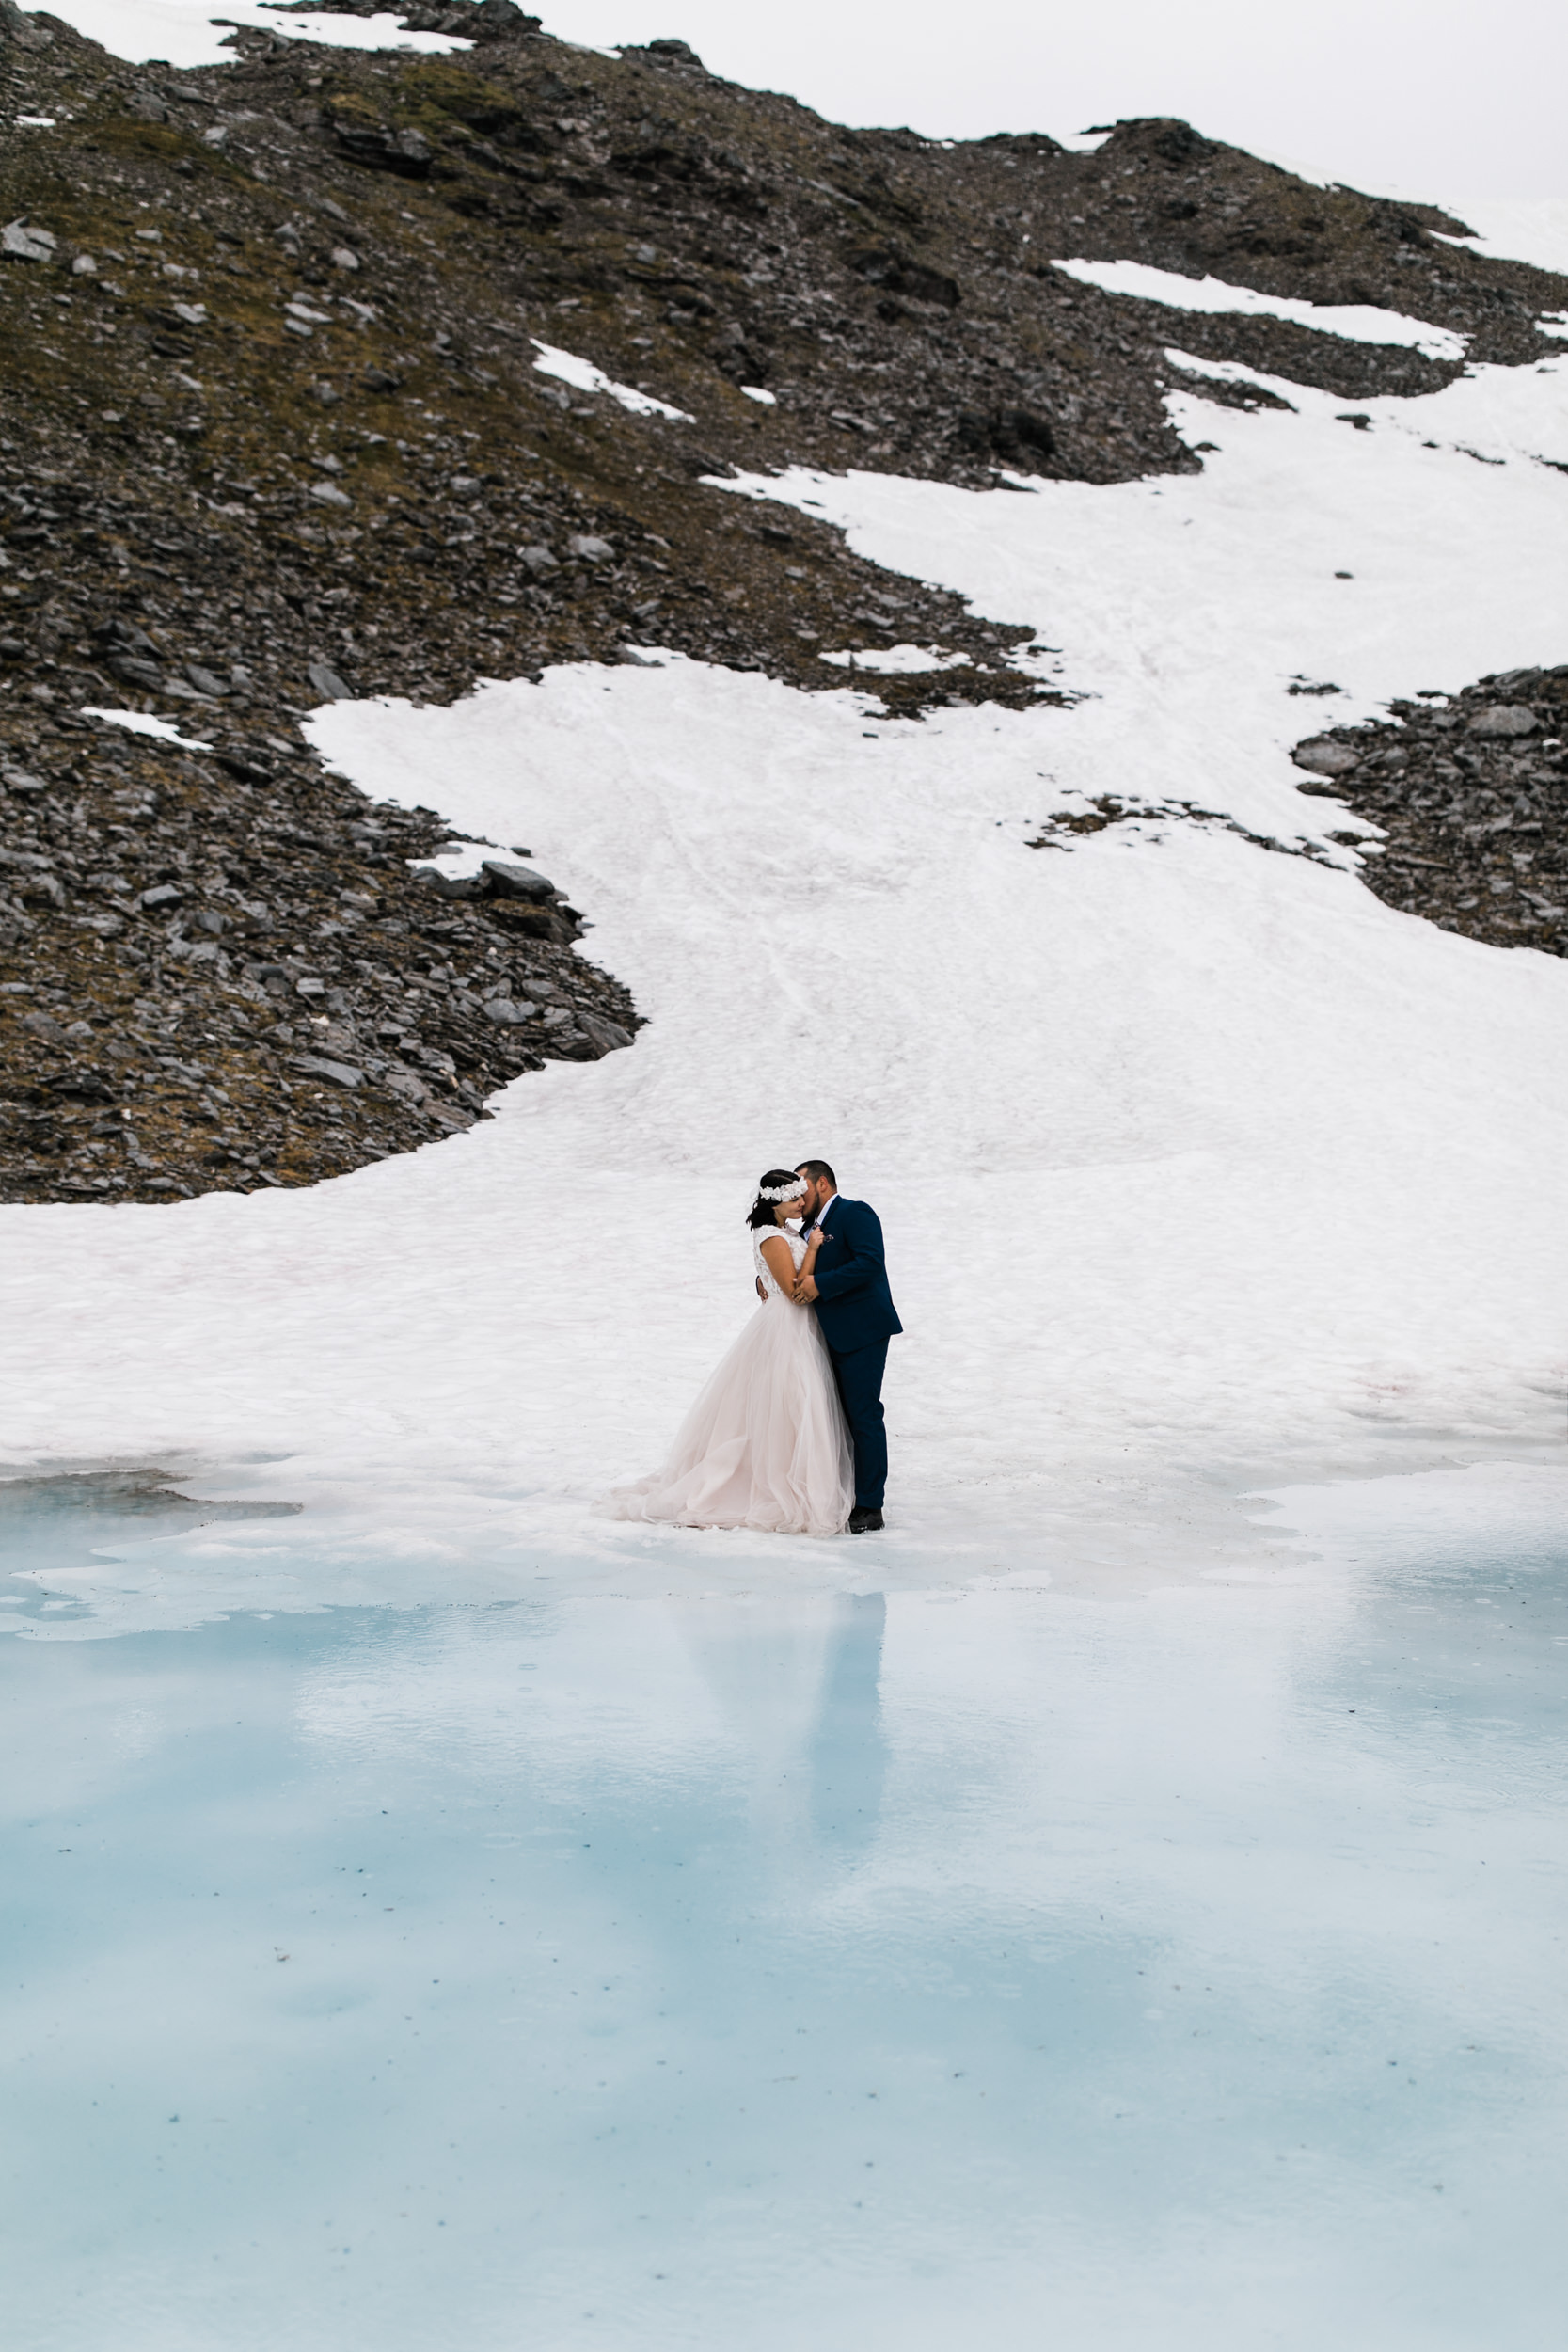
{"x": 886, "y": 265}
{"x": 517, "y": 882}
{"x": 1015, "y": 435}
{"x": 131, "y": 672}
{"x": 407, "y": 153}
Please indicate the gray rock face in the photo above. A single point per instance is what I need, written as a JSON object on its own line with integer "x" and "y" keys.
{"x": 450, "y": 885}
{"x": 326, "y": 682}
{"x": 161, "y": 894}
{"x": 591, "y": 549}
{"x": 130, "y": 670}
{"x": 517, "y": 882}
{"x": 1325, "y": 758}
{"x": 403, "y": 152}
{"x": 337, "y": 1073}
{"x": 15, "y": 27}
{"x": 1504, "y": 719}
{"x": 607, "y": 1036}
{"x": 126, "y": 637}
{"x": 509, "y": 1011}
{"x": 24, "y": 243}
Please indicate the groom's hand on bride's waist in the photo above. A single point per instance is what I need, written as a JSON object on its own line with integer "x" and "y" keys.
{"x": 805, "y": 1291}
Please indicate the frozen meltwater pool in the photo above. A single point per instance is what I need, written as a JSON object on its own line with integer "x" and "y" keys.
{"x": 996, "y": 1968}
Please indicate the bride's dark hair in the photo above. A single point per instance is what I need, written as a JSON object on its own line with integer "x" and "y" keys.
{"x": 761, "y": 1211}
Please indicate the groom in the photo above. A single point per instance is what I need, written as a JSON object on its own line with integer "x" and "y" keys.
{"x": 855, "y": 1310}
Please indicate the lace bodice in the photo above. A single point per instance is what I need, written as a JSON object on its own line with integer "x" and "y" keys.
{"x": 766, "y": 1233}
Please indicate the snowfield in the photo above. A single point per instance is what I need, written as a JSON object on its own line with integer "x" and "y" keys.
{"x": 1200, "y": 1168}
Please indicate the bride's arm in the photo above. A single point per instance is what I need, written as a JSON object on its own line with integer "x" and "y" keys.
{"x": 814, "y": 1240}
{"x": 781, "y": 1259}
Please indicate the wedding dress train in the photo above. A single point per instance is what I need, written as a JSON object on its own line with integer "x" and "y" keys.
{"x": 766, "y": 1445}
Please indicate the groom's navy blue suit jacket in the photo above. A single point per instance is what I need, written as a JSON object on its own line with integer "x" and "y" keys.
{"x": 854, "y": 1304}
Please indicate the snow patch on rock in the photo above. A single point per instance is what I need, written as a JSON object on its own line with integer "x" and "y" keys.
{"x": 897, "y": 660}
{"x": 143, "y": 722}
{"x": 1356, "y": 322}
{"x": 586, "y": 377}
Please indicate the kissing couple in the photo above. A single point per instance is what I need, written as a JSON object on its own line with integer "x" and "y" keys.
{"x": 787, "y": 1435}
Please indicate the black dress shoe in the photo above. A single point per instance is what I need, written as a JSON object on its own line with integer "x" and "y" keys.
{"x": 862, "y": 1519}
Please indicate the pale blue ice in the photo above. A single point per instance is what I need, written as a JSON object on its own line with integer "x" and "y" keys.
{"x": 999, "y": 1969}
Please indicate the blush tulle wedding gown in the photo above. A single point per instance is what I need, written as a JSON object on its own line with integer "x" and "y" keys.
{"x": 765, "y": 1444}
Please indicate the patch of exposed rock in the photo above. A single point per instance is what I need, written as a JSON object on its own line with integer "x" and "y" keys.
{"x": 1469, "y": 797}
{"x": 227, "y": 972}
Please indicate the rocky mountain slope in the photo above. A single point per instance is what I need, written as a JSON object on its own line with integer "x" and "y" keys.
{"x": 274, "y": 430}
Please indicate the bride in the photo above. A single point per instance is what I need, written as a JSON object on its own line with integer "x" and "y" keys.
{"x": 765, "y": 1444}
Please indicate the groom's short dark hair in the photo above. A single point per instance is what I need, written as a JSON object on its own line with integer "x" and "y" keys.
{"x": 818, "y": 1169}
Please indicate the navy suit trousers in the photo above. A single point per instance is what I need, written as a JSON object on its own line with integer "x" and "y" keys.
{"x": 859, "y": 1374}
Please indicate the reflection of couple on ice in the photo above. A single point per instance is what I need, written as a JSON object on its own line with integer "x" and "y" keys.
{"x": 787, "y": 1435}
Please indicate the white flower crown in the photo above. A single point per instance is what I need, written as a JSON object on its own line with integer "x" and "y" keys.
{"x": 794, "y": 1191}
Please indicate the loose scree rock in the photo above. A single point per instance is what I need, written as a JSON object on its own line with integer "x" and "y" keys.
{"x": 273, "y": 432}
